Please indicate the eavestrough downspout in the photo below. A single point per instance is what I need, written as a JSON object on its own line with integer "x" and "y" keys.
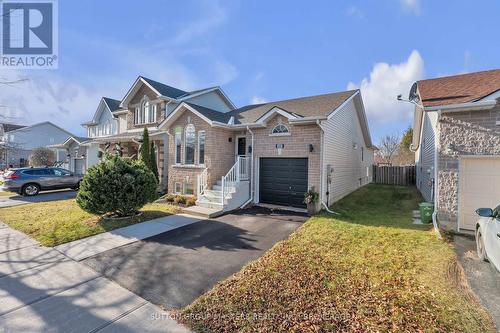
{"x": 321, "y": 171}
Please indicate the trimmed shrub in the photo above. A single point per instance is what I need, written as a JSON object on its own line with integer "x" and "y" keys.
{"x": 170, "y": 198}
{"x": 191, "y": 201}
{"x": 179, "y": 199}
{"x": 145, "y": 155}
{"x": 116, "y": 186}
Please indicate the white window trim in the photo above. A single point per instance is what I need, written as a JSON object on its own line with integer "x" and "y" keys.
{"x": 142, "y": 116}
{"x": 175, "y": 146}
{"x": 184, "y": 143}
{"x": 181, "y": 188}
{"x": 287, "y": 133}
{"x": 199, "y": 150}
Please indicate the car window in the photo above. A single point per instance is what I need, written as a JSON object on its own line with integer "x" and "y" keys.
{"x": 61, "y": 172}
{"x": 496, "y": 212}
{"x": 29, "y": 172}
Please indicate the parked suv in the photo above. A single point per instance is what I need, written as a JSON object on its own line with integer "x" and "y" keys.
{"x": 30, "y": 181}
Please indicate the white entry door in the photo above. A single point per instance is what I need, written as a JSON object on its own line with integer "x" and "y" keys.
{"x": 479, "y": 186}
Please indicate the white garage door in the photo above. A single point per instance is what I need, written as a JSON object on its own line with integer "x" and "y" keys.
{"x": 479, "y": 187}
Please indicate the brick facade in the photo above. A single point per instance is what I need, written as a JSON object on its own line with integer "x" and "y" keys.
{"x": 462, "y": 133}
{"x": 219, "y": 153}
{"x": 295, "y": 145}
{"x": 136, "y": 100}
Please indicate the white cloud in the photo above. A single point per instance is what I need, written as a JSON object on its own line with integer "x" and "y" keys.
{"x": 355, "y": 12}
{"x": 258, "y": 100}
{"x": 411, "y": 5}
{"x": 386, "y": 81}
{"x": 43, "y": 98}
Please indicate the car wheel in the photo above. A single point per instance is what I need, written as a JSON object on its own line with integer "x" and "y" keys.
{"x": 77, "y": 186}
{"x": 481, "y": 251}
{"x": 31, "y": 190}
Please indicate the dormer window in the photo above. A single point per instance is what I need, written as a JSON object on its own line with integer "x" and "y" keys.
{"x": 145, "y": 113}
{"x": 280, "y": 129}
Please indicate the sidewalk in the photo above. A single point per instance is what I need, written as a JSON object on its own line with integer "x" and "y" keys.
{"x": 91, "y": 246}
{"x": 41, "y": 290}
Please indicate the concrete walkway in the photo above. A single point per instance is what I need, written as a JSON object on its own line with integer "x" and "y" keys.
{"x": 91, "y": 246}
{"x": 41, "y": 290}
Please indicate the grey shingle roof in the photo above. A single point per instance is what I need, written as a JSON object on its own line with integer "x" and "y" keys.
{"x": 165, "y": 90}
{"x": 7, "y": 127}
{"x": 211, "y": 114}
{"x": 312, "y": 106}
{"x": 113, "y": 104}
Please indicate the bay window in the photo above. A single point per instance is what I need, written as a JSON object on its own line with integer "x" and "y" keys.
{"x": 190, "y": 136}
{"x": 178, "y": 145}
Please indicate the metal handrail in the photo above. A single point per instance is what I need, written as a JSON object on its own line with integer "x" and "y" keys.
{"x": 238, "y": 172}
{"x": 202, "y": 181}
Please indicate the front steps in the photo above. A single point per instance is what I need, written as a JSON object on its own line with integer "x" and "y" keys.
{"x": 203, "y": 211}
{"x": 210, "y": 202}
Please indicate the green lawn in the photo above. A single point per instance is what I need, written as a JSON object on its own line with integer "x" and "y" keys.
{"x": 56, "y": 222}
{"x": 368, "y": 270}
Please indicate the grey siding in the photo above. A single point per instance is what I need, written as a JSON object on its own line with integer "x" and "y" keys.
{"x": 341, "y": 132}
{"x": 425, "y": 155}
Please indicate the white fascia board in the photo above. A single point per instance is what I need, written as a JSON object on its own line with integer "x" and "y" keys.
{"x": 133, "y": 90}
{"x": 274, "y": 110}
{"x": 177, "y": 112}
{"x": 479, "y": 105}
{"x": 342, "y": 105}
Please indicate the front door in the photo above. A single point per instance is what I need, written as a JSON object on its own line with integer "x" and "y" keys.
{"x": 241, "y": 146}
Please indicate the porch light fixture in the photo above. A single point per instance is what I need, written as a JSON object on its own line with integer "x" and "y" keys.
{"x": 249, "y": 149}
{"x": 354, "y": 146}
{"x": 230, "y": 139}
{"x": 311, "y": 148}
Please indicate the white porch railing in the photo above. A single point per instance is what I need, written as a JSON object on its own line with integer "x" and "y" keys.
{"x": 202, "y": 181}
{"x": 240, "y": 171}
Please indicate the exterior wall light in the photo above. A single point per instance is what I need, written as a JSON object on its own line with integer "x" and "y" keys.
{"x": 311, "y": 148}
{"x": 249, "y": 149}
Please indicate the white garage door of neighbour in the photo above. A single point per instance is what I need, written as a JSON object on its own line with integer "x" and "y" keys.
{"x": 479, "y": 187}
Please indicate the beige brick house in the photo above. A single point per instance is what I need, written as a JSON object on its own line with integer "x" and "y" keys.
{"x": 269, "y": 153}
{"x": 227, "y": 157}
{"x": 456, "y": 140}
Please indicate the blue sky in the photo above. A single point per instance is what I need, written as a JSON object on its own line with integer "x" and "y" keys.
{"x": 257, "y": 51}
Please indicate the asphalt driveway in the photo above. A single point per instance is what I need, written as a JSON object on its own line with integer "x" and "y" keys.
{"x": 17, "y": 200}
{"x": 483, "y": 278}
{"x": 174, "y": 268}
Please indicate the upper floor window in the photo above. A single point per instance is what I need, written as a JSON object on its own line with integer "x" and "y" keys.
{"x": 146, "y": 113}
{"x": 190, "y": 133}
{"x": 280, "y": 129}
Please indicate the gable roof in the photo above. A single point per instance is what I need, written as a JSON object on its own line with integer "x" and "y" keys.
{"x": 222, "y": 117}
{"x": 163, "y": 89}
{"x": 23, "y": 128}
{"x": 312, "y": 106}
{"x": 458, "y": 89}
{"x": 7, "y": 127}
{"x": 113, "y": 104}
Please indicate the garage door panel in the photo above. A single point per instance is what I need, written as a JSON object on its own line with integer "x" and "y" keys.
{"x": 283, "y": 181}
{"x": 479, "y": 186}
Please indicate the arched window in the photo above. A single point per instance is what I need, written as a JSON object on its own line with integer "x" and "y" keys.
{"x": 146, "y": 113}
{"x": 190, "y": 139}
{"x": 280, "y": 129}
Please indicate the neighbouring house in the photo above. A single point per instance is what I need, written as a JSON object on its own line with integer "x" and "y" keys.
{"x": 269, "y": 153}
{"x": 23, "y": 139}
{"x": 117, "y": 126}
{"x": 6, "y": 148}
{"x": 456, "y": 140}
{"x": 75, "y": 150}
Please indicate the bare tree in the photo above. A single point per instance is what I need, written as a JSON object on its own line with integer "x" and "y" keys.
{"x": 389, "y": 147}
{"x": 42, "y": 157}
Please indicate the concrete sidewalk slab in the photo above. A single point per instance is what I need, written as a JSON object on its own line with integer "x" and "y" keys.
{"x": 28, "y": 286}
{"x": 11, "y": 239}
{"x": 85, "y": 308}
{"x": 148, "y": 318}
{"x": 91, "y": 246}
{"x": 26, "y": 258}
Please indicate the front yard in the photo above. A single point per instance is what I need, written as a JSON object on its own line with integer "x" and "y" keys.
{"x": 370, "y": 269}
{"x": 58, "y": 222}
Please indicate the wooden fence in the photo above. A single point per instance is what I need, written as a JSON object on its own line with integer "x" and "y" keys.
{"x": 394, "y": 175}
